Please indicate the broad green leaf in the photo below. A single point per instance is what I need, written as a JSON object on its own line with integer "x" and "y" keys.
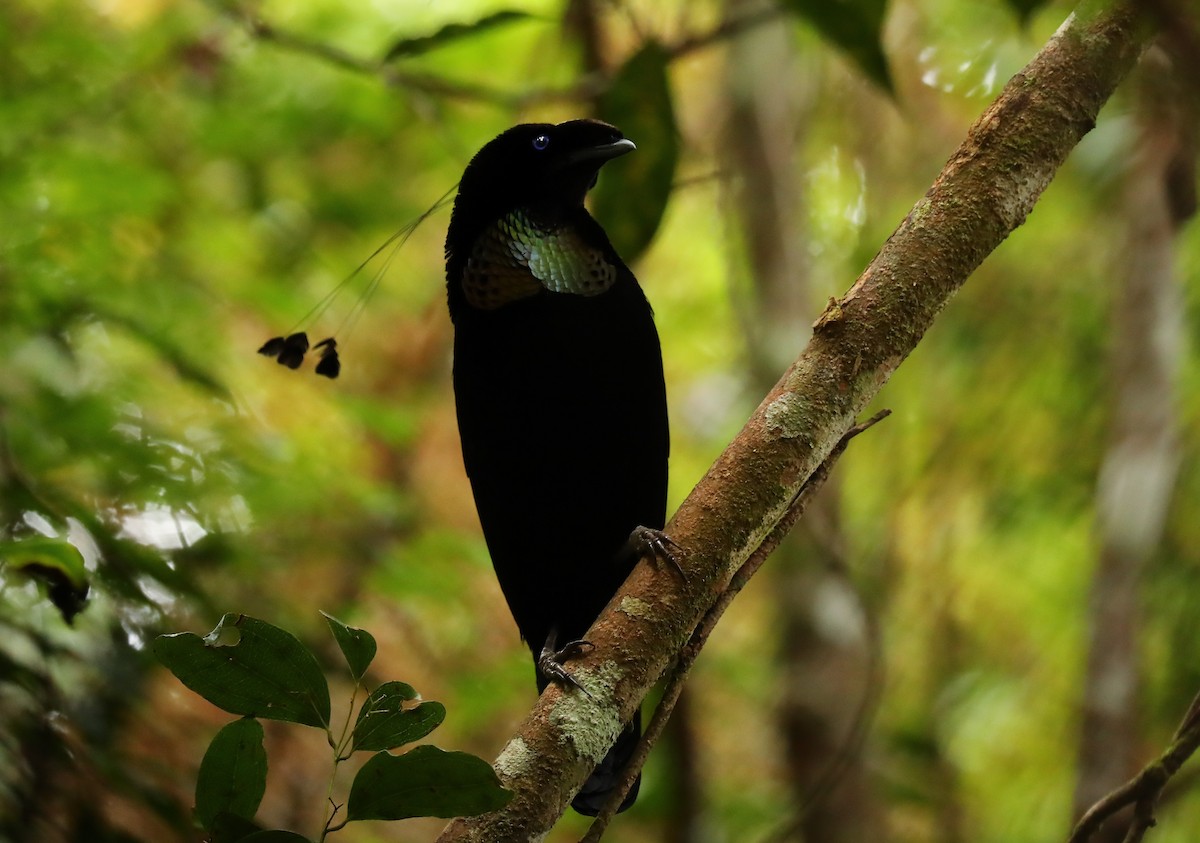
{"x": 631, "y": 196}
{"x": 425, "y": 782}
{"x": 57, "y": 564}
{"x": 275, "y": 835}
{"x": 451, "y": 32}
{"x": 357, "y": 645}
{"x": 249, "y": 667}
{"x": 233, "y": 774}
{"x": 383, "y": 722}
{"x": 856, "y": 26}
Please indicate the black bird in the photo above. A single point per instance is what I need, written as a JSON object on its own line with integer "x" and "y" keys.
{"x": 559, "y": 389}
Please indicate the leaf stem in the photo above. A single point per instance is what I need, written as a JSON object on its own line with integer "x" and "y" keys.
{"x": 339, "y": 755}
{"x": 346, "y": 734}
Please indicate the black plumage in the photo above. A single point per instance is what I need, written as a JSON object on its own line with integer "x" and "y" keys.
{"x": 559, "y": 389}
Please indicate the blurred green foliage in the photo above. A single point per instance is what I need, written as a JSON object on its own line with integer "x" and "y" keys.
{"x": 176, "y": 186}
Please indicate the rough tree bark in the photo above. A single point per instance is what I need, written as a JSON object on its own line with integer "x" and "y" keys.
{"x": 985, "y": 191}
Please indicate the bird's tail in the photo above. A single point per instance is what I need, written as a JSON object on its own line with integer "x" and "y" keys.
{"x": 603, "y": 781}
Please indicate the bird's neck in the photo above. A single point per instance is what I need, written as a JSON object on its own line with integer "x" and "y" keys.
{"x": 524, "y": 253}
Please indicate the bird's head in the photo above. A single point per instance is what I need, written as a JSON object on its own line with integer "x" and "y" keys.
{"x": 540, "y": 167}
{"x": 520, "y": 196}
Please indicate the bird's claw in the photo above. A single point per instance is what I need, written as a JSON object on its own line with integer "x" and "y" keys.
{"x": 660, "y": 547}
{"x": 550, "y": 662}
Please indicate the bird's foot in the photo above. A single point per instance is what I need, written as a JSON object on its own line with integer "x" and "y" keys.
{"x": 550, "y": 662}
{"x": 646, "y": 541}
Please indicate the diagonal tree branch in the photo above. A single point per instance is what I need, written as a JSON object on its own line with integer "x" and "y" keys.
{"x": 984, "y": 192}
{"x": 687, "y": 658}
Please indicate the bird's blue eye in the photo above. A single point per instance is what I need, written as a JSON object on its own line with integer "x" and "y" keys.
{"x": 541, "y": 142}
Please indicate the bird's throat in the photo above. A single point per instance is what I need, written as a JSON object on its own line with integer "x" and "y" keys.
{"x": 516, "y": 258}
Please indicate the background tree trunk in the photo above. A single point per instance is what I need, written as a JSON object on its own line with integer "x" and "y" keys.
{"x": 824, "y": 643}
{"x": 1138, "y": 473}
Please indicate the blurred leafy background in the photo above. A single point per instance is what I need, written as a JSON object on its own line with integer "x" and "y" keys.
{"x": 180, "y": 180}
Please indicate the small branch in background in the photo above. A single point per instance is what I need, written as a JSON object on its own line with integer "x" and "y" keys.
{"x": 687, "y": 658}
{"x": 727, "y": 28}
{"x": 586, "y": 86}
{"x": 425, "y": 83}
{"x": 1144, "y": 789}
{"x": 388, "y": 73}
{"x": 264, "y": 31}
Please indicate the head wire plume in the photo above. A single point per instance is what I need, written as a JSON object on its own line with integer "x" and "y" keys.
{"x": 289, "y": 349}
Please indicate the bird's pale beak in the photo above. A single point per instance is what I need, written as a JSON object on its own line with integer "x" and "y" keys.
{"x": 603, "y": 152}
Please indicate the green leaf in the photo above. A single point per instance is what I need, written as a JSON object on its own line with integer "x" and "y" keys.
{"x": 275, "y": 835}
{"x": 384, "y": 723}
{"x": 856, "y": 26}
{"x": 425, "y": 782}
{"x": 263, "y": 671}
{"x": 233, "y": 774}
{"x": 357, "y": 645}
{"x": 451, "y": 32}
{"x": 631, "y": 196}
{"x": 57, "y": 564}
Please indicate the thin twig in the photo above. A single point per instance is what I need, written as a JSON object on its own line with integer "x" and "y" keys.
{"x": 687, "y": 656}
{"x": 583, "y": 88}
{"x": 1144, "y": 789}
{"x": 725, "y": 29}
{"x": 295, "y": 42}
